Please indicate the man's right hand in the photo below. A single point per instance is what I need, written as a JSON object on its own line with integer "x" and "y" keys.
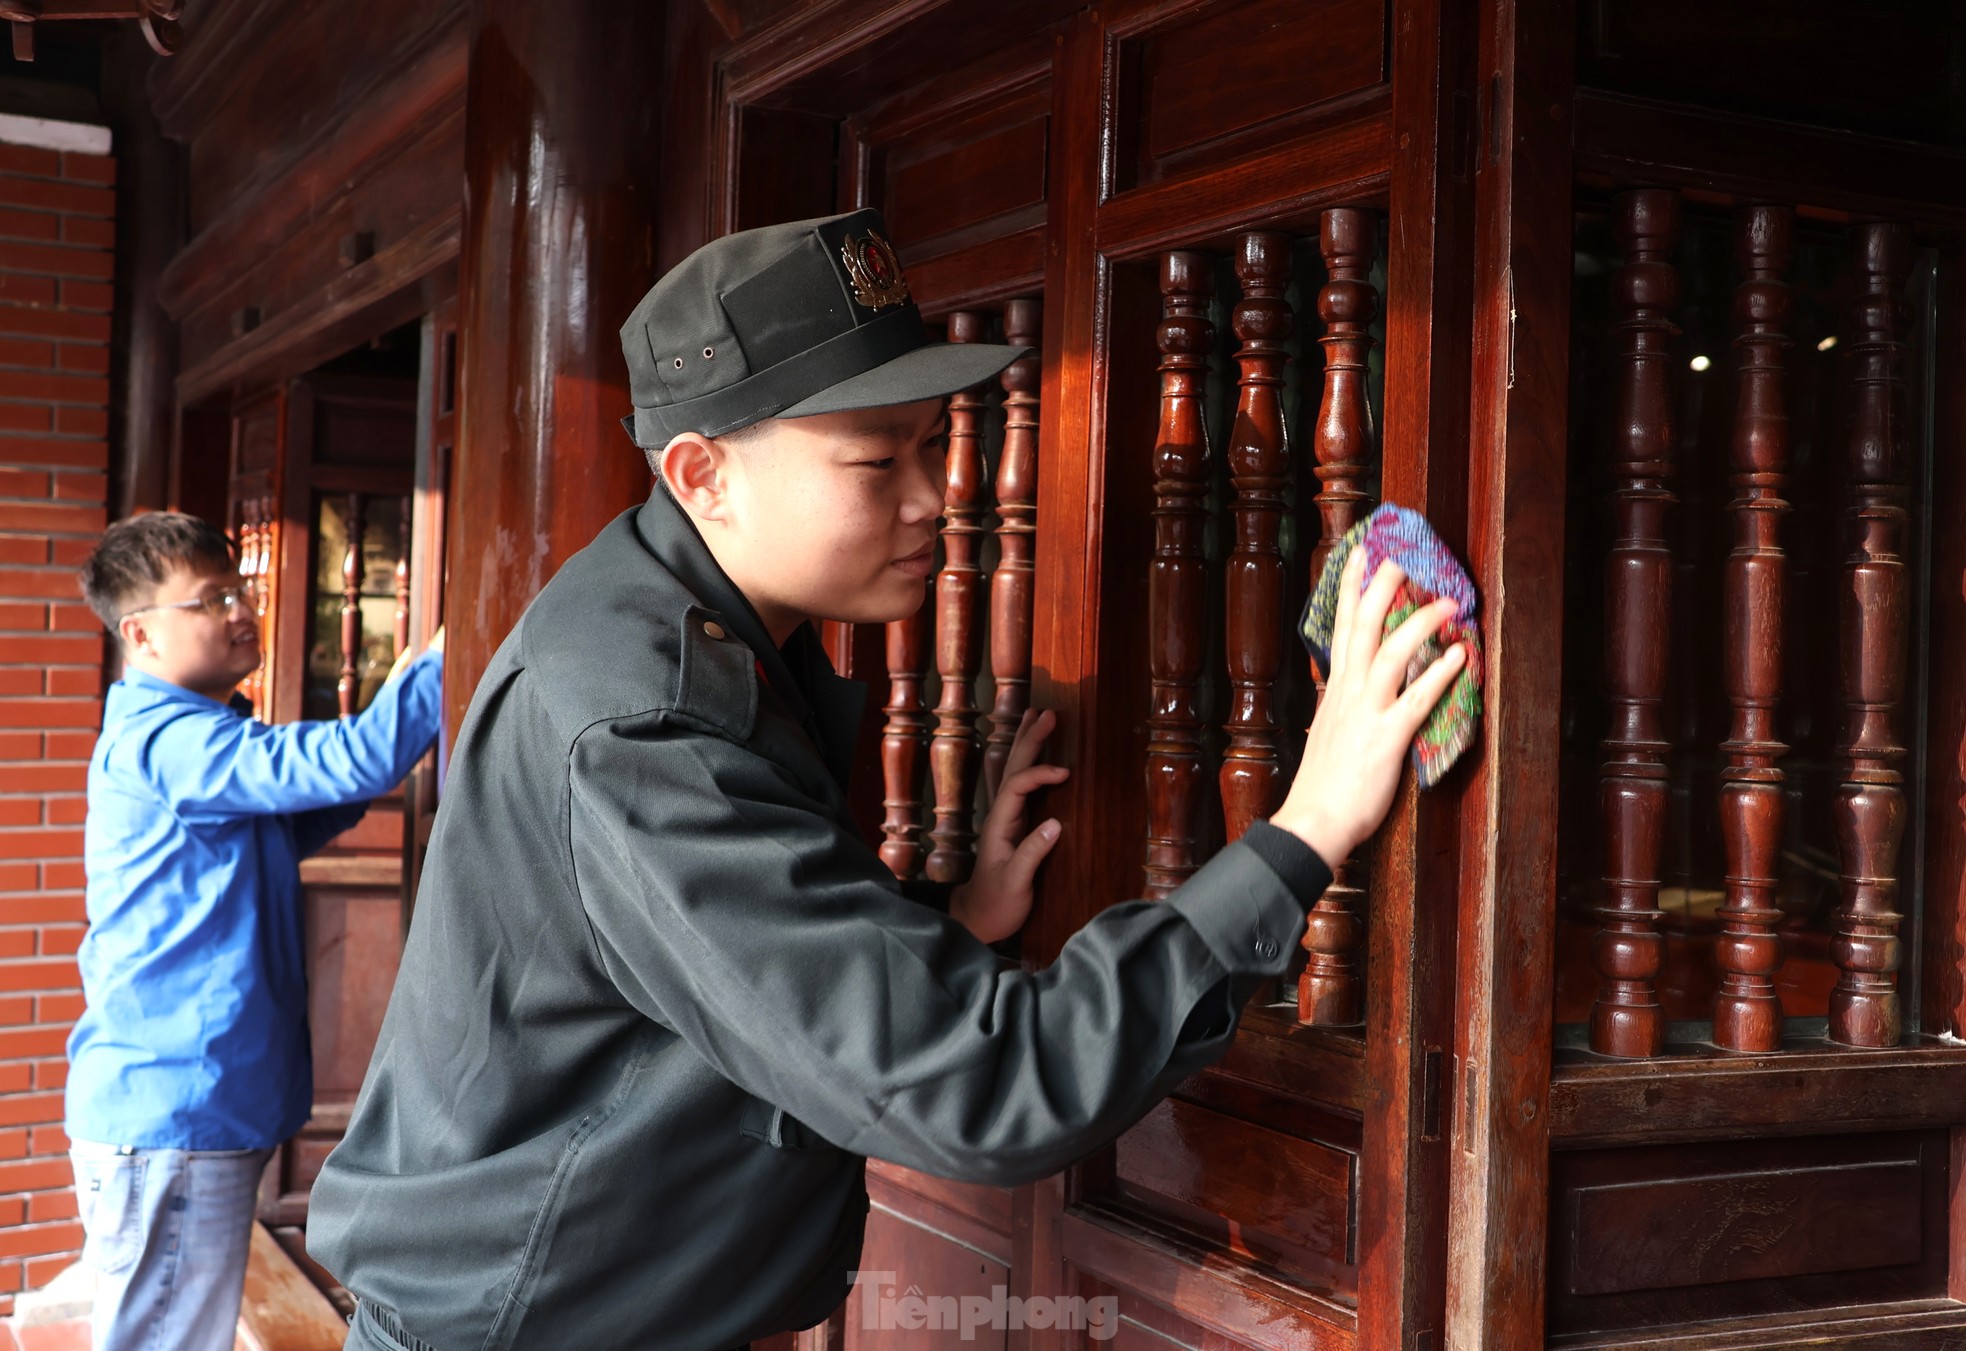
{"x": 1364, "y": 724}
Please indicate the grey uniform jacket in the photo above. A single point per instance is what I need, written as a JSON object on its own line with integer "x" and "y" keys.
{"x": 659, "y": 1000}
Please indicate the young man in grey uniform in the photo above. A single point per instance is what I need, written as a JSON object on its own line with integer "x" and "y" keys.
{"x": 660, "y": 1001}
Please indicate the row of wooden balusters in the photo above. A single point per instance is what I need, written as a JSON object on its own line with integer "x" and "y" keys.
{"x": 1251, "y": 773}
{"x": 947, "y": 735}
{"x": 1626, "y": 1019}
{"x": 1250, "y": 777}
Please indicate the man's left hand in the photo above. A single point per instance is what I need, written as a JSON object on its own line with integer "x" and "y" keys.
{"x": 996, "y": 900}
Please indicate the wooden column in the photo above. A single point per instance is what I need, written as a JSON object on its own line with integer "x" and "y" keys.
{"x": 1329, "y": 992}
{"x": 1626, "y": 1020}
{"x": 1870, "y": 804}
{"x": 952, "y": 752}
{"x": 1747, "y": 1014}
{"x": 1259, "y": 465}
{"x": 1176, "y": 599}
{"x": 1011, "y": 585}
{"x": 560, "y": 207}
{"x": 351, "y": 608}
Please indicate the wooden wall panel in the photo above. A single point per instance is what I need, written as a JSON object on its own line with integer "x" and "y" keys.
{"x": 259, "y": 80}
{"x": 1656, "y": 1235}
{"x": 1283, "y": 58}
{"x": 937, "y": 185}
{"x": 1284, "y": 1200}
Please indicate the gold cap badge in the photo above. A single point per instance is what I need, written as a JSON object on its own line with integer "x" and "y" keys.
{"x": 874, "y": 271}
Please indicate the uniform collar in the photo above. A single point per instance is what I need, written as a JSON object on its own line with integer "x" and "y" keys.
{"x": 799, "y": 676}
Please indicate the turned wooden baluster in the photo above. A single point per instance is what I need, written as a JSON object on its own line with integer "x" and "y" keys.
{"x": 903, "y": 740}
{"x": 1870, "y": 804}
{"x": 248, "y": 535}
{"x": 952, "y": 752}
{"x": 1626, "y": 1019}
{"x": 1259, "y": 465}
{"x": 403, "y": 581}
{"x": 262, "y": 569}
{"x": 351, "y": 608}
{"x": 1747, "y": 1013}
{"x": 1177, "y": 578}
{"x": 1329, "y": 993}
{"x": 1017, "y": 515}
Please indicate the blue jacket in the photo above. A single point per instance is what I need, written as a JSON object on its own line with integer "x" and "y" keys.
{"x": 195, "y": 1032}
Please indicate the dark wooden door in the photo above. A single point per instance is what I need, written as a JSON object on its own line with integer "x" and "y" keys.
{"x": 325, "y": 502}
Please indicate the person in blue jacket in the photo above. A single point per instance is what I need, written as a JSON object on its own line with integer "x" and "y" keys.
{"x": 191, "y": 1059}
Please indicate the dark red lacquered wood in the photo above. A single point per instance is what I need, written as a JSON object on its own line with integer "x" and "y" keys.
{"x": 351, "y": 608}
{"x": 952, "y": 752}
{"x": 1626, "y": 1018}
{"x": 1259, "y": 466}
{"x": 1329, "y": 993}
{"x": 903, "y": 743}
{"x": 1012, "y": 584}
{"x": 1870, "y": 804}
{"x": 1747, "y": 1013}
{"x": 1176, "y": 581}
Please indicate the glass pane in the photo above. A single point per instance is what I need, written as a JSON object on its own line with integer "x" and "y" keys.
{"x": 383, "y": 544}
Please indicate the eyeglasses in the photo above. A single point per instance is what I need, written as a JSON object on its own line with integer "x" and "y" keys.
{"x": 219, "y": 605}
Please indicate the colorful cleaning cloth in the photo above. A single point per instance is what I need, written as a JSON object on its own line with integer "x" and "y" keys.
{"x": 1432, "y": 573}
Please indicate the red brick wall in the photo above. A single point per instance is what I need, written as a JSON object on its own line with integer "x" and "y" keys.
{"x": 56, "y": 223}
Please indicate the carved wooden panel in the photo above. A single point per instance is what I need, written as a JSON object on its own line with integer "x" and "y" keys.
{"x": 1661, "y": 1234}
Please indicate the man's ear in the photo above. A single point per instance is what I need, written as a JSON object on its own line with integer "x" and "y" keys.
{"x": 695, "y": 469}
{"x": 132, "y": 633}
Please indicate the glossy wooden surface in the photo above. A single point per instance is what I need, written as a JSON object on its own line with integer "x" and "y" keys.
{"x": 1175, "y": 605}
{"x": 1517, "y": 478}
{"x": 1747, "y": 1015}
{"x": 1013, "y": 583}
{"x": 1627, "y": 1019}
{"x": 559, "y": 243}
{"x": 1864, "y": 1008}
{"x": 1258, "y": 462}
{"x": 904, "y": 741}
{"x": 1330, "y": 991}
{"x": 953, "y": 751}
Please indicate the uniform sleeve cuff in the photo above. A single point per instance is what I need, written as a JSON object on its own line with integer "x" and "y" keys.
{"x": 1295, "y": 862}
{"x": 1248, "y": 917}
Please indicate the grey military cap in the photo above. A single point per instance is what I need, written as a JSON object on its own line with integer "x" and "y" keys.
{"x": 787, "y": 321}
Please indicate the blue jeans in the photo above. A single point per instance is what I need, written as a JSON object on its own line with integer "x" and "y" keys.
{"x": 166, "y": 1233}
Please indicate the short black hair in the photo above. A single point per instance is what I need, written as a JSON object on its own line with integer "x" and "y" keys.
{"x": 138, "y": 554}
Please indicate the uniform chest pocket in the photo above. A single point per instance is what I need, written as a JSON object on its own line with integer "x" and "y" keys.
{"x": 777, "y": 1127}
